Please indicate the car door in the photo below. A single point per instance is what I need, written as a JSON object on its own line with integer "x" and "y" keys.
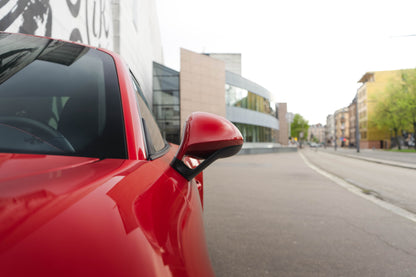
{"x": 168, "y": 209}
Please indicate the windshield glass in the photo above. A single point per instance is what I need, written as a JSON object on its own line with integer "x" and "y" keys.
{"x": 58, "y": 98}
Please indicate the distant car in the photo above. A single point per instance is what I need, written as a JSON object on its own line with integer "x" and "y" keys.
{"x": 313, "y": 144}
{"x": 88, "y": 186}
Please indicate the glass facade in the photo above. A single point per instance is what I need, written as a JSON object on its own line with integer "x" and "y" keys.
{"x": 166, "y": 105}
{"x": 253, "y": 133}
{"x": 239, "y": 97}
{"x": 242, "y": 98}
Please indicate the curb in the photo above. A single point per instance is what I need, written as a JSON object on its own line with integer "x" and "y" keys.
{"x": 368, "y": 159}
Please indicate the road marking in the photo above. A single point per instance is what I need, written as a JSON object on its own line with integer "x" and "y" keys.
{"x": 386, "y": 205}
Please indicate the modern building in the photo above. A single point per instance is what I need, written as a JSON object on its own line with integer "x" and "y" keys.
{"x": 289, "y": 118}
{"x": 251, "y": 108}
{"x": 232, "y": 61}
{"x": 374, "y": 84}
{"x": 202, "y": 82}
{"x": 166, "y": 101}
{"x": 205, "y": 84}
{"x": 285, "y": 119}
{"x": 341, "y": 121}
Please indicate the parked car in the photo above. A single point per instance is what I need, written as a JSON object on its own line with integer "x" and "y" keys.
{"x": 88, "y": 186}
{"x": 314, "y": 144}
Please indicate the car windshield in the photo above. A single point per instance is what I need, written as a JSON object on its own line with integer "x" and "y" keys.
{"x": 58, "y": 98}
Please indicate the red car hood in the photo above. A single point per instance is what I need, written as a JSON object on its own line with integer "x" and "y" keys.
{"x": 57, "y": 219}
{"x": 35, "y": 170}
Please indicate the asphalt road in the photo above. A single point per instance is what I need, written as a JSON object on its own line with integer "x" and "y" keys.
{"x": 393, "y": 184}
{"x": 272, "y": 215}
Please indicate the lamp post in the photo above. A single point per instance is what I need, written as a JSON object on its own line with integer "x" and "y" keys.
{"x": 357, "y": 127}
{"x": 335, "y": 131}
{"x": 301, "y": 138}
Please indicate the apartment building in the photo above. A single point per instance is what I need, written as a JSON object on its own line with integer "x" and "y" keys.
{"x": 352, "y": 117}
{"x": 373, "y": 85}
{"x": 330, "y": 130}
{"x": 316, "y": 133}
{"x": 341, "y": 121}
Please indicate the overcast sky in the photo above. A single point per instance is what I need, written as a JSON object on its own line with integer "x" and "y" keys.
{"x": 308, "y": 53}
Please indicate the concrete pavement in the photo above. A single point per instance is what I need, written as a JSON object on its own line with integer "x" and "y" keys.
{"x": 272, "y": 215}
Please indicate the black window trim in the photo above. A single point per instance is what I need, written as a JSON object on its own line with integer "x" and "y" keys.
{"x": 151, "y": 155}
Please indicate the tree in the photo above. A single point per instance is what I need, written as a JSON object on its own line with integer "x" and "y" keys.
{"x": 298, "y": 126}
{"x": 389, "y": 110}
{"x": 396, "y": 108}
{"x": 408, "y": 99}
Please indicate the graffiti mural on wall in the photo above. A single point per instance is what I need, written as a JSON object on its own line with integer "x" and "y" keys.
{"x": 85, "y": 21}
{"x": 31, "y": 16}
{"x": 97, "y": 21}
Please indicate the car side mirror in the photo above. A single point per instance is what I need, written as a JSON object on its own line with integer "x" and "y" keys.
{"x": 208, "y": 137}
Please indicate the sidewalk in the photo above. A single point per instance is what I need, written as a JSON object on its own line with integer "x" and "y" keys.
{"x": 399, "y": 159}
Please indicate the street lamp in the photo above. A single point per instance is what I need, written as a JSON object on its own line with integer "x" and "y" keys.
{"x": 301, "y": 138}
{"x": 335, "y": 131}
{"x": 357, "y": 127}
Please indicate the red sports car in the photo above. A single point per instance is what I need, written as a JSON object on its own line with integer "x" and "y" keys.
{"x": 88, "y": 186}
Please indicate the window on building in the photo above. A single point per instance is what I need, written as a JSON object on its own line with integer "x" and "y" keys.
{"x": 363, "y": 135}
{"x": 166, "y": 105}
{"x": 238, "y": 97}
{"x": 154, "y": 140}
{"x": 253, "y": 133}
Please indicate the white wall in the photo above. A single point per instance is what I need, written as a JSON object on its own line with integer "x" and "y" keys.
{"x": 89, "y": 22}
{"x": 129, "y": 27}
{"x": 140, "y": 42}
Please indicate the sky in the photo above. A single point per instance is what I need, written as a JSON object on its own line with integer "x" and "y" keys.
{"x": 309, "y": 54}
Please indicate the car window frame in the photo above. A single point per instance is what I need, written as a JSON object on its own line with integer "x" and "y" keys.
{"x": 57, "y": 64}
{"x": 150, "y": 153}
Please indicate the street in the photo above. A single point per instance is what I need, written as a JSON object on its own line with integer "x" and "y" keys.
{"x": 272, "y": 215}
{"x": 393, "y": 184}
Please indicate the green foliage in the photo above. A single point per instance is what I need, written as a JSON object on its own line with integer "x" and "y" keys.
{"x": 395, "y": 109}
{"x": 408, "y": 98}
{"x": 388, "y": 112}
{"x": 299, "y": 125}
{"x": 403, "y": 150}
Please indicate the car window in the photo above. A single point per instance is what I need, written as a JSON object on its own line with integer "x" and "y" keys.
{"x": 58, "y": 98}
{"x": 154, "y": 139}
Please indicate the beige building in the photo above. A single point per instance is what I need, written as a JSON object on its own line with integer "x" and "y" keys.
{"x": 352, "y": 117}
{"x": 283, "y": 124}
{"x": 373, "y": 85}
{"x": 341, "y": 121}
{"x": 202, "y": 85}
{"x": 316, "y": 132}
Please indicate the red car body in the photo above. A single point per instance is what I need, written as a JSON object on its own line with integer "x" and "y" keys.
{"x": 64, "y": 215}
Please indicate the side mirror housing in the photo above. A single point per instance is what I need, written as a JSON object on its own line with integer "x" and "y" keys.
{"x": 209, "y": 137}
